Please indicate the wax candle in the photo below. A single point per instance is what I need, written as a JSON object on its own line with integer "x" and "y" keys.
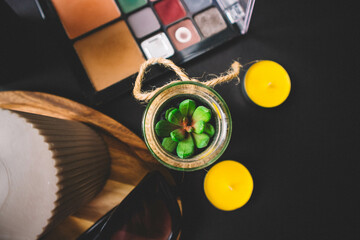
{"x": 228, "y": 185}
{"x": 267, "y": 84}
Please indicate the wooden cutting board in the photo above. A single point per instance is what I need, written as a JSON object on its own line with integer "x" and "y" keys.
{"x": 130, "y": 158}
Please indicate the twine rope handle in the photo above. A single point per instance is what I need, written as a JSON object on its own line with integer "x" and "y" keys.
{"x": 145, "y": 96}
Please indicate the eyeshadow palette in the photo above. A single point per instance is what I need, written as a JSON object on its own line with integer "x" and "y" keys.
{"x": 108, "y": 40}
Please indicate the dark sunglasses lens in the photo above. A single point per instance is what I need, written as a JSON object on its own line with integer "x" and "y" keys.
{"x": 149, "y": 219}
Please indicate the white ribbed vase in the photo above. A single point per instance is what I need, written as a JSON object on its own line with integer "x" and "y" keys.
{"x": 48, "y": 168}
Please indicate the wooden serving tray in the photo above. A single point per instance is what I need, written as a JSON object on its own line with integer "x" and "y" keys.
{"x": 130, "y": 158}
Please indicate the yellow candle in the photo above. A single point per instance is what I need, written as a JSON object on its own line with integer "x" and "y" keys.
{"x": 228, "y": 185}
{"x": 267, "y": 84}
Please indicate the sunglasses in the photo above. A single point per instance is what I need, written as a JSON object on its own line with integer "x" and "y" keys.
{"x": 149, "y": 212}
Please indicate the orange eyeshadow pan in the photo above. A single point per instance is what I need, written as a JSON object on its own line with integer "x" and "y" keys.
{"x": 109, "y": 55}
{"x": 81, "y": 16}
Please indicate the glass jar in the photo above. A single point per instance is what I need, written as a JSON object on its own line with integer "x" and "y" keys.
{"x": 199, "y": 93}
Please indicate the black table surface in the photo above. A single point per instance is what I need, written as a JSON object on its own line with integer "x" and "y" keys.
{"x": 303, "y": 155}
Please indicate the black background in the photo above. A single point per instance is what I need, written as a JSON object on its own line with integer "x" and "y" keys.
{"x": 303, "y": 155}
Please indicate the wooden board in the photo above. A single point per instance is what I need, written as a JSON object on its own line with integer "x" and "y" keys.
{"x": 130, "y": 157}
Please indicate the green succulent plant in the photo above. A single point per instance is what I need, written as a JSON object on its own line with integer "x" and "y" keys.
{"x": 185, "y": 128}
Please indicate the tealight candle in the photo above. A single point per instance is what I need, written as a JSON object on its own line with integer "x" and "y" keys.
{"x": 267, "y": 84}
{"x": 228, "y": 185}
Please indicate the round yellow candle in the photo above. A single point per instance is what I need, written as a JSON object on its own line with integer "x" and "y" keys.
{"x": 267, "y": 84}
{"x": 228, "y": 185}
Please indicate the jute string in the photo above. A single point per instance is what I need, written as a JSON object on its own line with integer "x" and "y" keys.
{"x": 145, "y": 96}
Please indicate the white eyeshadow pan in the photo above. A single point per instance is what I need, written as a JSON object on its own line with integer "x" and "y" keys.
{"x": 157, "y": 46}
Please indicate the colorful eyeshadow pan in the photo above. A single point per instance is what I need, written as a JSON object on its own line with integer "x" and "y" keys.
{"x": 183, "y": 34}
{"x": 143, "y": 22}
{"x": 197, "y": 5}
{"x": 130, "y": 5}
{"x": 169, "y": 11}
{"x": 210, "y": 22}
{"x": 109, "y": 55}
{"x": 157, "y": 46}
{"x": 81, "y": 16}
{"x": 112, "y": 38}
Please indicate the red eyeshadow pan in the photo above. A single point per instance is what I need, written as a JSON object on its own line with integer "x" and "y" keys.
{"x": 183, "y": 34}
{"x": 169, "y": 11}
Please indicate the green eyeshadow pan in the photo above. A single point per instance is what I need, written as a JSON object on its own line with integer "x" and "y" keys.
{"x": 131, "y": 5}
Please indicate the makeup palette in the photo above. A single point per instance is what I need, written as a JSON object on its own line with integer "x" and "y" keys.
{"x": 107, "y": 40}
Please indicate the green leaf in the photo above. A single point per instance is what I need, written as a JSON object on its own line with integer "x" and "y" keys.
{"x": 177, "y": 135}
{"x": 167, "y": 112}
{"x": 163, "y": 128}
{"x": 186, "y": 147}
{"x": 201, "y": 113}
{"x": 169, "y": 144}
{"x": 201, "y": 140}
{"x": 199, "y": 126}
{"x": 209, "y": 129}
{"x": 187, "y": 107}
{"x": 175, "y": 117}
